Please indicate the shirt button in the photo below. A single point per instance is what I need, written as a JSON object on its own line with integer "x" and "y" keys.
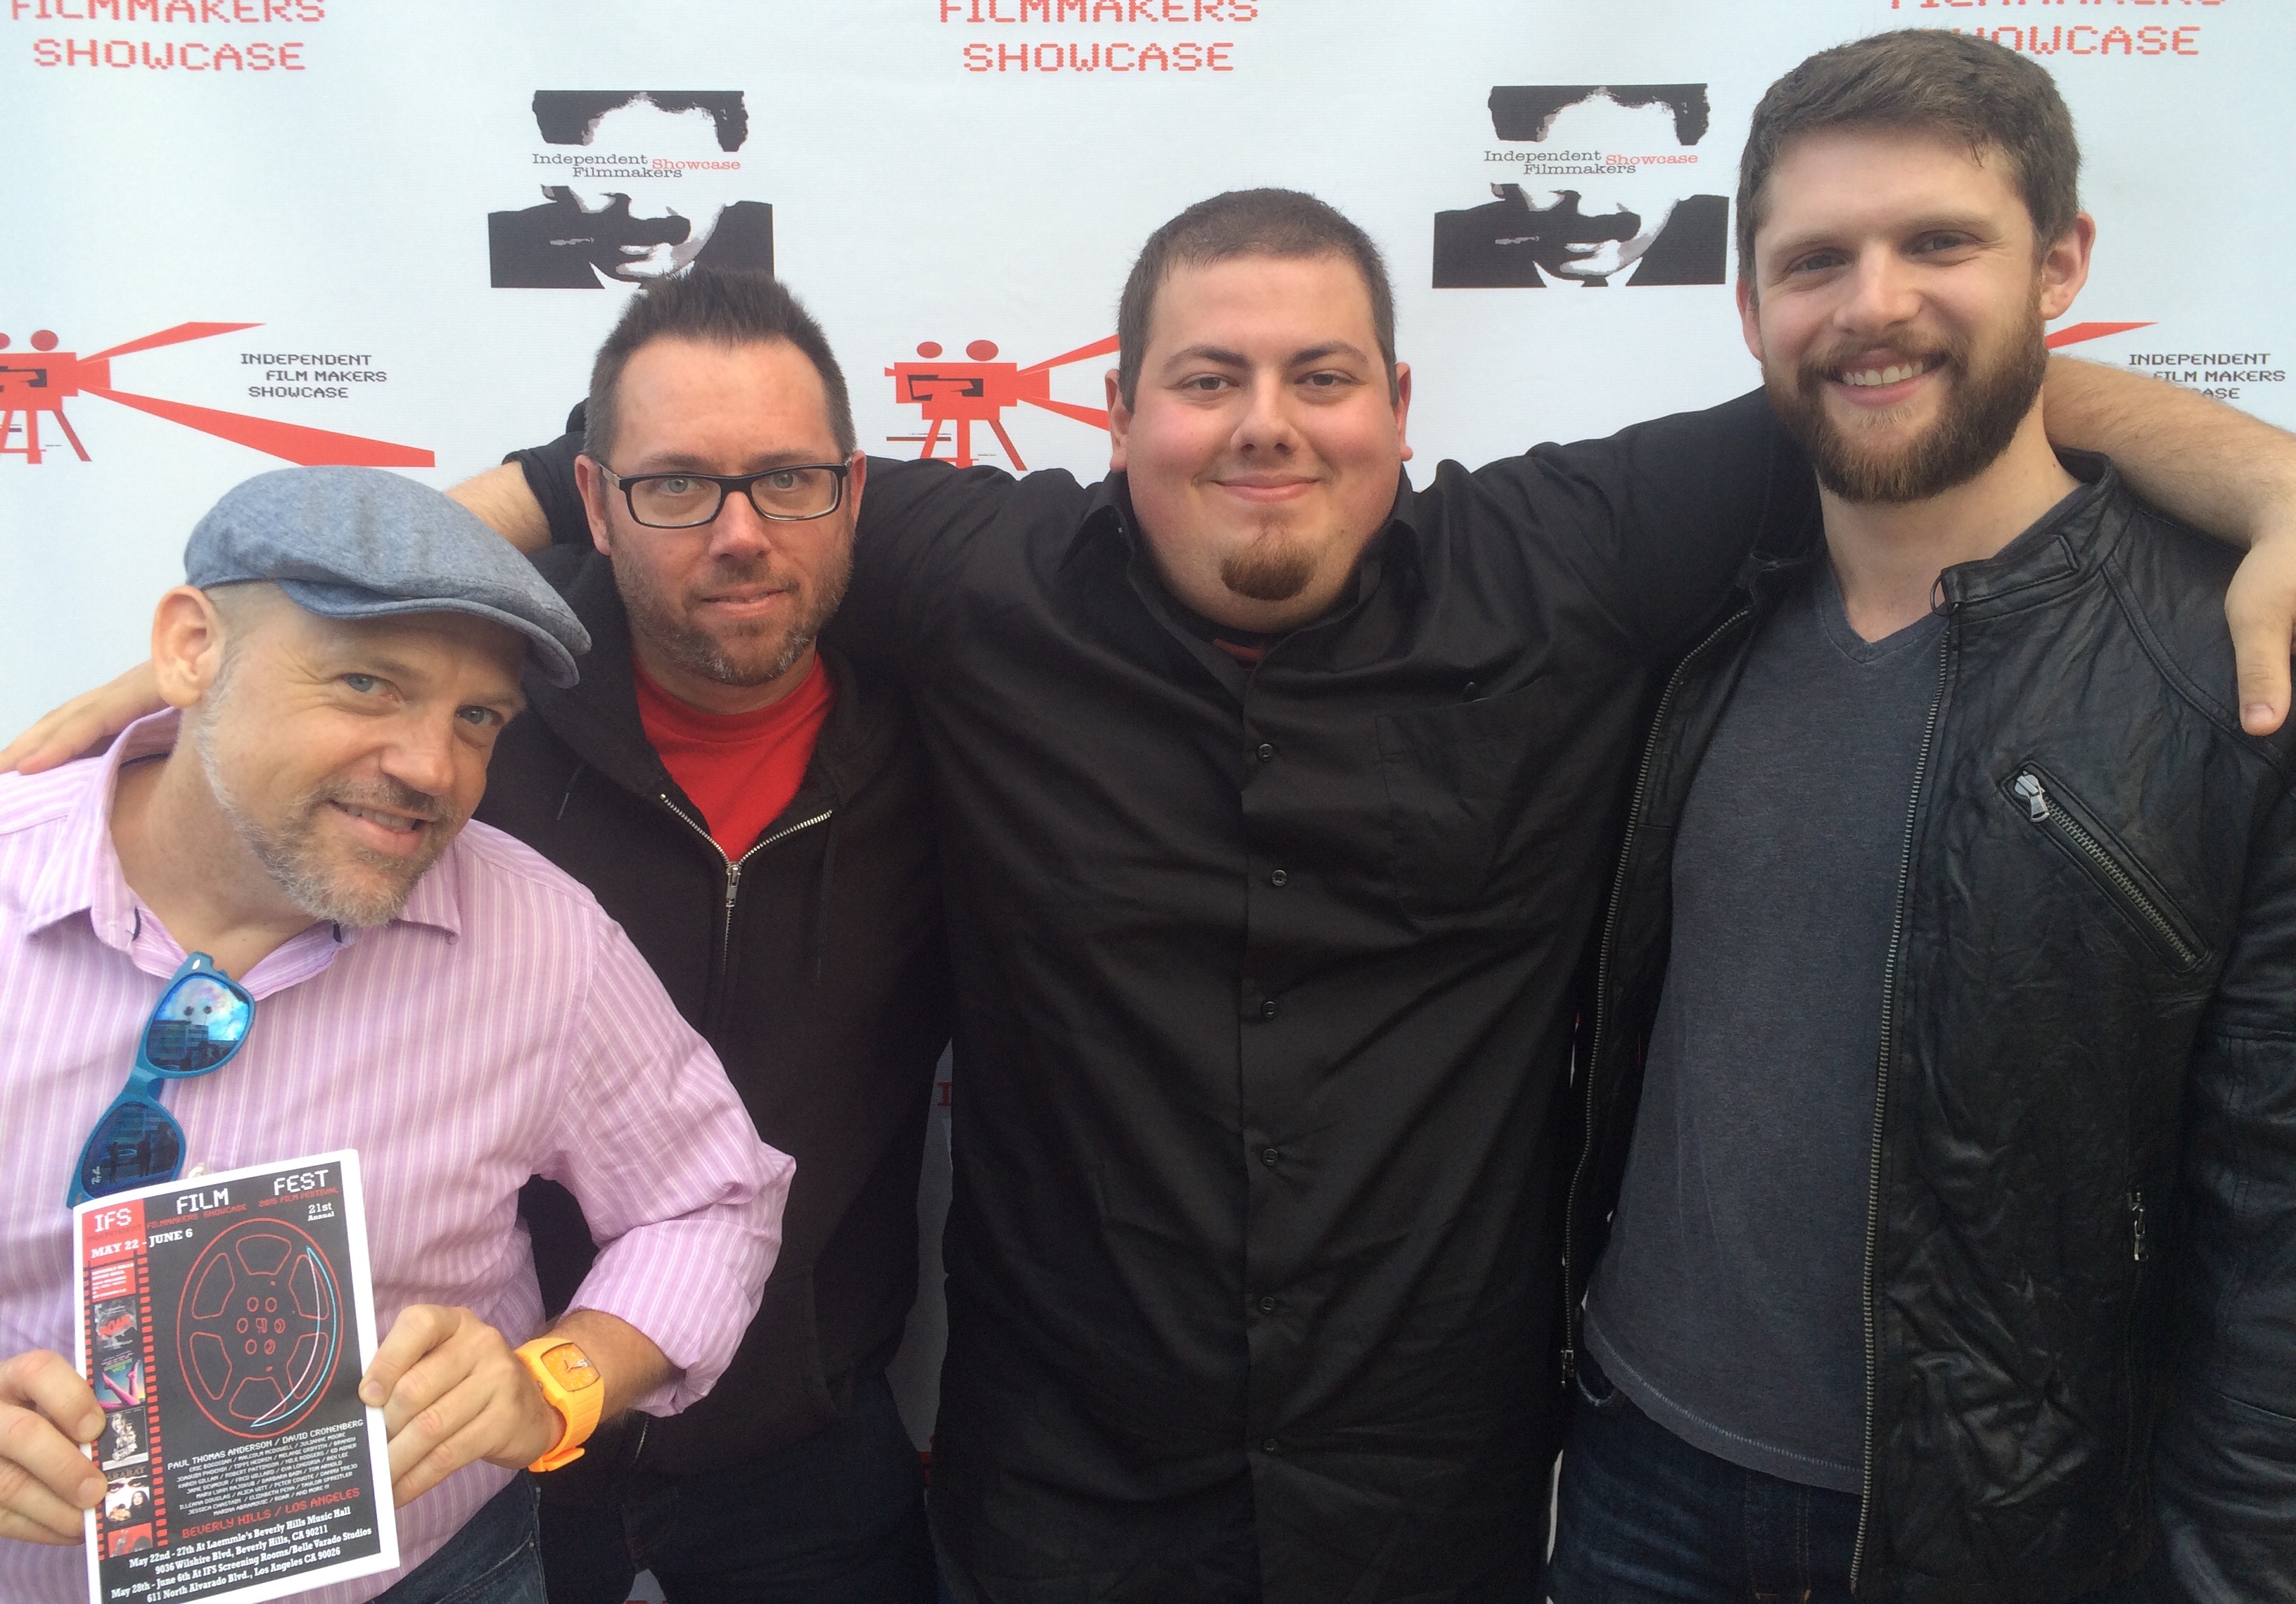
{"x": 1270, "y": 1155}
{"x": 1267, "y": 1010}
{"x": 1272, "y": 1446}
{"x": 1266, "y": 753}
{"x": 1268, "y": 1305}
{"x": 1277, "y": 878}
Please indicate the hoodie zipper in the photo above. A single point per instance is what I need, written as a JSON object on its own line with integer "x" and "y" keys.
{"x": 2029, "y": 789}
{"x": 1603, "y": 984}
{"x": 1866, "y": 1290}
{"x": 735, "y": 865}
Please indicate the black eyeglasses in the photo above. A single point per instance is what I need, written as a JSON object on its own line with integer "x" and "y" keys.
{"x": 790, "y": 494}
{"x": 198, "y": 1026}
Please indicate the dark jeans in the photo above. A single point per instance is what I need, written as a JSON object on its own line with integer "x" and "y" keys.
{"x": 1643, "y": 1517}
{"x": 837, "y": 1519}
{"x": 492, "y": 1560}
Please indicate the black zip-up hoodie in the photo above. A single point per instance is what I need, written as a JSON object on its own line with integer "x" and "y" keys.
{"x": 817, "y": 966}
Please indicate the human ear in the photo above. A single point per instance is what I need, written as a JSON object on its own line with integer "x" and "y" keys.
{"x": 187, "y": 644}
{"x": 2064, "y": 266}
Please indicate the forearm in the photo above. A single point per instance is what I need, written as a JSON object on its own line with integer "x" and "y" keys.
{"x": 503, "y": 501}
{"x": 2219, "y": 470}
{"x": 2202, "y": 463}
{"x": 682, "y": 1199}
{"x": 629, "y": 1364}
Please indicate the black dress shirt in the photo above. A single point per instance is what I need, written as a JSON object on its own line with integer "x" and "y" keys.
{"x": 1265, "y": 980}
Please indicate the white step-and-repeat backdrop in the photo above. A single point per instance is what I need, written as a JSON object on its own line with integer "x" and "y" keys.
{"x": 244, "y": 232}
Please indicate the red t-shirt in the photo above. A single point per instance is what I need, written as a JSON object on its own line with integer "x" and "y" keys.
{"x": 740, "y": 769}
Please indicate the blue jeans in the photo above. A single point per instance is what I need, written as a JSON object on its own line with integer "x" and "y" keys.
{"x": 493, "y": 1559}
{"x": 1643, "y": 1517}
{"x": 836, "y": 1518}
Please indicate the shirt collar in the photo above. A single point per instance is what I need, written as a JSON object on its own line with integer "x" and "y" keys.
{"x": 84, "y": 875}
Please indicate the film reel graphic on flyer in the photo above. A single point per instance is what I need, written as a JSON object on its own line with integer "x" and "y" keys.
{"x": 259, "y": 1333}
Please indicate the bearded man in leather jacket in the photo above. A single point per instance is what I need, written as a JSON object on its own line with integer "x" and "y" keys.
{"x": 1941, "y": 1100}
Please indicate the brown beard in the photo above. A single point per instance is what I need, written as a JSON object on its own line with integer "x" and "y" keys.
{"x": 1270, "y": 569}
{"x": 1983, "y": 407}
{"x": 758, "y": 652}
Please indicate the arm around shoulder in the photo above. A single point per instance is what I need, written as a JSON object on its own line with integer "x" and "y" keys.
{"x": 2216, "y": 468}
{"x": 501, "y": 500}
{"x": 1664, "y": 511}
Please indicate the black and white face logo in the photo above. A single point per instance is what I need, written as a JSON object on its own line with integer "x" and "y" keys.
{"x": 640, "y": 184}
{"x": 1591, "y": 184}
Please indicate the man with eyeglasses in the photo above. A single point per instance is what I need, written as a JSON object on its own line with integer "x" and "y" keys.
{"x": 753, "y": 810}
{"x": 284, "y": 851}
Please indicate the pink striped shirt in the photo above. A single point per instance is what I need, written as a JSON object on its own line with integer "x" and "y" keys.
{"x": 503, "y": 1026}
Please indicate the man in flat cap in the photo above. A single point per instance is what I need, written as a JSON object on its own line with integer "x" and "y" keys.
{"x": 438, "y": 997}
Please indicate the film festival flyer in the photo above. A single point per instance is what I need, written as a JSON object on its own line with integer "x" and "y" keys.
{"x": 225, "y": 1322}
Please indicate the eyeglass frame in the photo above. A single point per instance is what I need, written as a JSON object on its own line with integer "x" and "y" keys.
{"x": 727, "y": 483}
{"x": 145, "y": 1079}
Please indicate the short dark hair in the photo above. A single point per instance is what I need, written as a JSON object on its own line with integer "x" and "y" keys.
{"x": 718, "y": 307}
{"x": 1281, "y": 223}
{"x": 1522, "y": 112}
{"x": 1971, "y": 90}
{"x": 572, "y": 115}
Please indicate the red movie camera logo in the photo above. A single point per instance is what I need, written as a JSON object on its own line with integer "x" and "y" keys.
{"x": 982, "y": 390}
{"x": 43, "y": 379}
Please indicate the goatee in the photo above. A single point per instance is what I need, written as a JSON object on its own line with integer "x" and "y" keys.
{"x": 1271, "y": 569}
{"x": 757, "y": 652}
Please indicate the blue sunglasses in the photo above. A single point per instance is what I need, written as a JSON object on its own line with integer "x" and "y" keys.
{"x": 199, "y": 1025}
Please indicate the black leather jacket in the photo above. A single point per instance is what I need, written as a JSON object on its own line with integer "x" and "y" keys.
{"x": 2079, "y": 1289}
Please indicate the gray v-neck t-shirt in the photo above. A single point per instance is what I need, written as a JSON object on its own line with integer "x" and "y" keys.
{"x": 1726, "y": 1305}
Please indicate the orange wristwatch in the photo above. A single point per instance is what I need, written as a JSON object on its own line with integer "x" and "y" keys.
{"x": 575, "y": 1389}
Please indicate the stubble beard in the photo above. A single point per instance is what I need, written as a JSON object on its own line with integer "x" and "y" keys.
{"x": 293, "y": 856}
{"x": 744, "y": 654}
{"x": 1980, "y": 414}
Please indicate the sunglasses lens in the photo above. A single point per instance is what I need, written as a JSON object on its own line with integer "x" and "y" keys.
{"x": 199, "y": 1024}
{"x": 136, "y": 1144}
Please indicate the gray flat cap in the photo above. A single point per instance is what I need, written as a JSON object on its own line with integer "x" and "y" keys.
{"x": 361, "y": 543}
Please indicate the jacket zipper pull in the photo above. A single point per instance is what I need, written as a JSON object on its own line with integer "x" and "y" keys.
{"x": 2136, "y": 1225}
{"x": 732, "y": 886}
{"x": 2037, "y": 800}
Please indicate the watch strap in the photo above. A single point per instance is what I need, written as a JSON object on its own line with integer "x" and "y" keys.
{"x": 572, "y": 1385}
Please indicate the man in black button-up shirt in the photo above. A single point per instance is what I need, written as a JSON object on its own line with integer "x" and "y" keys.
{"x": 1276, "y": 804}
{"x": 1274, "y": 801}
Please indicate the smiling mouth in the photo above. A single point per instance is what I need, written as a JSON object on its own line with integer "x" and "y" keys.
{"x": 753, "y": 598}
{"x": 397, "y": 824}
{"x": 1264, "y": 488}
{"x": 1895, "y": 373}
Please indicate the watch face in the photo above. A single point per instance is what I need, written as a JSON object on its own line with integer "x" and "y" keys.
{"x": 570, "y": 1366}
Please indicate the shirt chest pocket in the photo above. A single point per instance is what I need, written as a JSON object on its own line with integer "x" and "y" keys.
{"x": 1461, "y": 783}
